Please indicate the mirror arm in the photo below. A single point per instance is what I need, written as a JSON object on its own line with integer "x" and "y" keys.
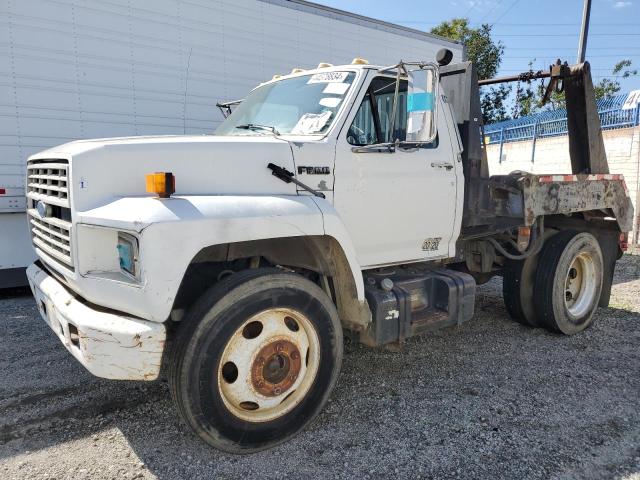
{"x": 392, "y": 124}
{"x": 376, "y": 115}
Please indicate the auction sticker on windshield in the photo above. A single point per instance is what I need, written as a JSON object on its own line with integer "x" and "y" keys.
{"x": 311, "y": 123}
{"x": 336, "y": 88}
{"x": 328, "y": 77}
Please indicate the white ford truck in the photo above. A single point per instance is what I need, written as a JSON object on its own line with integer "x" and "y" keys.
{"x": 348, "y": 199}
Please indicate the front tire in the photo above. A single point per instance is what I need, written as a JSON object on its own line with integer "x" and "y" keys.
{"x": 256, "y": 359}
{"x": 568, "y": 282}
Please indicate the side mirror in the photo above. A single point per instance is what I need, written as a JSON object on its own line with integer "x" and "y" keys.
{"x": 421, "y": 104}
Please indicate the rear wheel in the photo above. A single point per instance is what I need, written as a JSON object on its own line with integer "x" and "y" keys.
{"x": 518, "y": 280}
{"x": 568, "y": 282}
{"x": 256, "y": 360}
{"x": 517, "y": 290}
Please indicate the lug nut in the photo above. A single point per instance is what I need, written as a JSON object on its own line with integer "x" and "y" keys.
{"x": 277, "y": 391}
{"x": 293, "y": 378}
{"x": 295, "y": 355}
{"x": 260, "y": 360}
{"x": 279, "y": 347}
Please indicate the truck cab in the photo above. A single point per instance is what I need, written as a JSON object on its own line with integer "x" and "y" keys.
{"x": 347, "y": 199}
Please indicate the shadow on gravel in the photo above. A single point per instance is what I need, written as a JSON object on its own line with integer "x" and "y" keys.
{"x": 627, "y": 269}
{"x": 490, "y": 398}
{"x": 487, "y": 398}
{"x": 14, "y": 292}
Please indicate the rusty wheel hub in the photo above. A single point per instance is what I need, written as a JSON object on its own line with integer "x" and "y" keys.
{"x": 276, "y": 368}
{"x": 269, "y": 364}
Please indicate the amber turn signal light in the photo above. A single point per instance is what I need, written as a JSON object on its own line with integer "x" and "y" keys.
{"x": 524, "y": 236}
{"x": 161, "y": 183}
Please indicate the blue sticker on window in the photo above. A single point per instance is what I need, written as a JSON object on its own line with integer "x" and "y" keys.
{"x": 420, "y": 102}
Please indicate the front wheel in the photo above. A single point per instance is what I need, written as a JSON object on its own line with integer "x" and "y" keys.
{"x": 256, "y": 360}
{"x": 568, "y": 282}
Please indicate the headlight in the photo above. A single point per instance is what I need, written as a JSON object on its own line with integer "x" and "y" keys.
{"x": 128, "y": 253}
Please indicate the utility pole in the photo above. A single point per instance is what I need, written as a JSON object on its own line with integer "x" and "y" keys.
{"x": 584, "y": 32}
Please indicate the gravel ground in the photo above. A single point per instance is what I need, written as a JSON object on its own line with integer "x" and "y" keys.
{"x": 488, "y": 399}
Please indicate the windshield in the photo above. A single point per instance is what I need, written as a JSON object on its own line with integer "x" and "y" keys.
{"x": 304, "y": 105}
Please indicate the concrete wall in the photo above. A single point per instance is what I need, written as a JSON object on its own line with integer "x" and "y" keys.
{"x": 552, "y": 156}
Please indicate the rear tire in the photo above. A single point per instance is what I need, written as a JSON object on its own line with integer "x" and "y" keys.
{"x": 568, "y": 282}
{"x": 518, "y": 279}
{"x": 256, "y": 359}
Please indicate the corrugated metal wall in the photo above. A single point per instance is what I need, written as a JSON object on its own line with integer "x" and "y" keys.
{"x": 89, "y": 68}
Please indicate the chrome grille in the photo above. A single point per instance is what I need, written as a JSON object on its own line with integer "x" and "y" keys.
{"x": 48, "y": 183}
{"x": 48, "y": 180}
{"x": 52, "y": 236}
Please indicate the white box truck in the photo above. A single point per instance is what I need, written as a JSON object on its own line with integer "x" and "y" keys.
{"x": 72, "y": 70}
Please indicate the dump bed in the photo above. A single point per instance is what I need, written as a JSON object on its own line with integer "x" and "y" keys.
{"x": 567, "y": 194}
{"x": 493, "y": 203}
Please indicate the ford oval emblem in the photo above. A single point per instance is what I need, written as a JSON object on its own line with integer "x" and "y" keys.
{"x": 41, "y": 208}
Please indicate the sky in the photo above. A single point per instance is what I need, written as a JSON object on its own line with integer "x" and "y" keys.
{"x": 530, "y": 29}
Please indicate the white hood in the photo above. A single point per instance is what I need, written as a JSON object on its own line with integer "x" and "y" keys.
{"x": 203, "y": 165}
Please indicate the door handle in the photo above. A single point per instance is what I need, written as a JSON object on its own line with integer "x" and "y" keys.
{"x": 448, "y": 166}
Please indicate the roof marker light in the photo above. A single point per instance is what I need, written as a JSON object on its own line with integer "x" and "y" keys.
{"x": 359, "y": 61}
{"x": 297, "y": 70}
{"x": 161, "y": 183}
{"x": 325, "y": 65}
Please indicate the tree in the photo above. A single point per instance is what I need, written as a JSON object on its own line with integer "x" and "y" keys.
{"x": 486, "y": 54}
{"x": 494, "y": 104}
{"x": 605, "y": 88}
{"x": 526, "y": 101}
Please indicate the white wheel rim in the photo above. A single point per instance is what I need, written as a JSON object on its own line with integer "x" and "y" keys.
{"x": 262, "y": 376}
{"x": 580, "y": 285}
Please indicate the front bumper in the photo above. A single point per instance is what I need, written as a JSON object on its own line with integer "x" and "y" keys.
{"x": 108, "y": 344}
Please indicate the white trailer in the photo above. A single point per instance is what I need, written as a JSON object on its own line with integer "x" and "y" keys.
{"x": 86, "y": 69}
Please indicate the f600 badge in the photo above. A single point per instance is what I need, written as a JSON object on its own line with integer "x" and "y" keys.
{"x": 314, "y": 170}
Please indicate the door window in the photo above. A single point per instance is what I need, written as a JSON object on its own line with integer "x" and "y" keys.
{"x": 372, "y": 123}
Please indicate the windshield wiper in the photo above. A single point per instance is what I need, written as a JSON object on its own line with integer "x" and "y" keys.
{"x": 258, "y": 126}
{"x": 287, "y": 177}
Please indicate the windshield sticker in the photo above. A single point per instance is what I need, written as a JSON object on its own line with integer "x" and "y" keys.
{"x": 336, "y": 88}
{"x": 328, "y": 77}
{"x": 311, "y": 123}
{"x": 331, "y": 102}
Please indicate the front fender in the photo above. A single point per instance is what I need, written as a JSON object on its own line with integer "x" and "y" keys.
{"x": 334, "y": 227}
{"x": 172, "y": 231}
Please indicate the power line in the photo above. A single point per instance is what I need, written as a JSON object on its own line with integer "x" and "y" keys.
{"x": 608, "y": 24}
{"x": 473, "y": 4}
{"x": 540, "y": 58}
{"x": 515, "y": 2}
{"x": 609, "y": 70}
{"x": 568, "y": 48}
{"x": 496, "y": 5}
{"x": 564, "y": 35}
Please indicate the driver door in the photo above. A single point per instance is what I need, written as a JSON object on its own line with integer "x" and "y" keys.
{"x": 398, "y": 207}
